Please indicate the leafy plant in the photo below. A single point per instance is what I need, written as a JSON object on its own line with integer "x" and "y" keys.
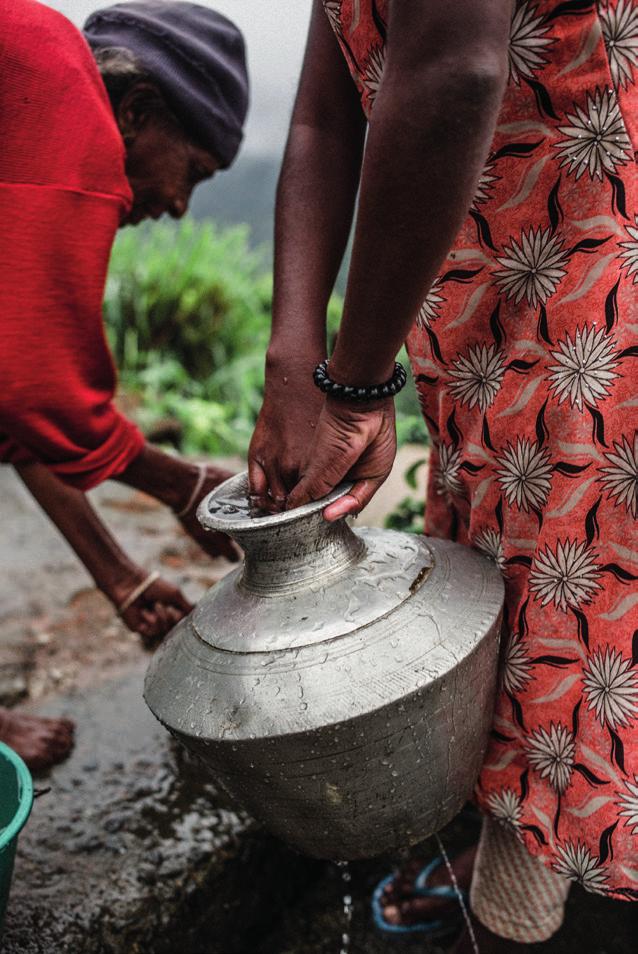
{"x": 190, "y": 291}
{"x": 410, "y": 474}
{"x": 409, "y": 514}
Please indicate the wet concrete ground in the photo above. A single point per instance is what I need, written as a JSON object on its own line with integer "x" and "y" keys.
{"x": 134, "y": 851}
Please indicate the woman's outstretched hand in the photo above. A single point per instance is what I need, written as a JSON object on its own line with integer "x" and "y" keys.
{"x": 155, "y": 611}
{"x": 353, "y": 442}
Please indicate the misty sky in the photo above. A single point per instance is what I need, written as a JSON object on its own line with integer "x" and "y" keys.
{"x": 275, "y": 33}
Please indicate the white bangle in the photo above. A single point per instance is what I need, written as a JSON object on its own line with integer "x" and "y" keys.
{"x": 194, "y": 497}
{"x": 137, "y": 592}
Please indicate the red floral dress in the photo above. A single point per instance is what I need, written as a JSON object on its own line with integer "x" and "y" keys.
{"x": 525, "y": 354}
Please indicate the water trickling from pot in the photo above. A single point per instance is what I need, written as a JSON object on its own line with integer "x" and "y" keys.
{"x": 348, "y": 907}
{"x": 459, "y": 895}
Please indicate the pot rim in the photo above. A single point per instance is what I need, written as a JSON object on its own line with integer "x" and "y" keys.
{"x": 235, "y": 489}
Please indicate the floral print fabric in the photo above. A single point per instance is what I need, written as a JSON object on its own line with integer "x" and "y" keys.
{"x": 525, "y": 353}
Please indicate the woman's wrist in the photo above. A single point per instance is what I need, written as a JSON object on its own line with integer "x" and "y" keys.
{"x": 169, "y": 479}
{"x": 285, "y": 355}
{"x": 117, "y": 580}
{"x": 338, "y": 408}
{"x": 351, "y": 370}
{"x": 359, "y": 394}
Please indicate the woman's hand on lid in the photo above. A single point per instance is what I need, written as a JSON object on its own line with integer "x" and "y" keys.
{"x": 284, "y": 433}
{"x": 352, "y": 442}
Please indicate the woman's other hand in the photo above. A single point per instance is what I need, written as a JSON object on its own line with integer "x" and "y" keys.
{"x": 155, "y": 611}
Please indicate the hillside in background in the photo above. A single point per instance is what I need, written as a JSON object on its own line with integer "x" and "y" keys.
{"x": 245, "y": 193}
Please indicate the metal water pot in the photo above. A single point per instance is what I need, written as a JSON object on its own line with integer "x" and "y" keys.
{"x": 340, "y": 682}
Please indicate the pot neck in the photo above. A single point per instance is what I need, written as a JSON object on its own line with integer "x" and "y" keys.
{"x": 285, "y": 551}
{"x": 293, "y": 556}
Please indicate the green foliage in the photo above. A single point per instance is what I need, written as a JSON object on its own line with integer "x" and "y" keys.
{"x": 187, "y": 310}
{"x": 408, "y": 516}
{"x": 189, "y": 291}
{"x": 412, "y": 471}
{"x": 409, "y": 513}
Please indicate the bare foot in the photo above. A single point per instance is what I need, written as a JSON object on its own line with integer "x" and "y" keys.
{"x": 40, "y": 742}
{"x": 402, "y": 906}
{"x": 213, "y": 543}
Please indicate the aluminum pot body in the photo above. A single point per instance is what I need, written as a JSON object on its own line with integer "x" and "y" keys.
{"x": 340, "y": 683}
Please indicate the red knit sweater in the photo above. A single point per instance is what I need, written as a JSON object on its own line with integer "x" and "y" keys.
{"x": 63, "y": 192}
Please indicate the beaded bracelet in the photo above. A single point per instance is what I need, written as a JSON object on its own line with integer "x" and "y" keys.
{"x": 345, "y": 392}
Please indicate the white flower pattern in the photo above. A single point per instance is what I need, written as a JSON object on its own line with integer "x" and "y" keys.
{"x": 529, "y": 42}
{"x": 551, "y": 754}
{"x": 532, "y": 268}
{"x": 566, "y": 576}
{"x": 620, "y": 30}
{"x": 620, "y": 476}
{"x": 596, "y": 140}
{"x": 485, "y": 185}
{"x": 585, "y": 367}
{"x": 333, "y": 11}
{"x": 429, "y": 310}
{"x": 517, "y": 667}
{"x": 490, "y": 543}
{"x": 477, "y": 376}
{"x": 525, "y": 473}
{"x": 373, "y": 73}
{"x": 505, "y": 807}
{"x": 611, "y": 687}
{"x": 448, "y": 478}
{"x": 628, "y": 804}
{"x": 576, "y": 862}
{"x": 630, "y": 254}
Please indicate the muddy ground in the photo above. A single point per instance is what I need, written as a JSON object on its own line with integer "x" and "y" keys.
{"x": 133, "y": 850}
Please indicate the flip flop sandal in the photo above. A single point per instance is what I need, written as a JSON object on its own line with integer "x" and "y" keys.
{"x": 433, "y": 929}
{"x": 446, "y": 891}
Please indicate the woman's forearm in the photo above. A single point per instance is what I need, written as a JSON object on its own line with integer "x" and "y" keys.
{"x": 316, "y": 194}
{"x": 168, "y": 478}
{"x": 71, "y": 512}
{"x": 430, "y": 132}
{"x": 315, "y": 206}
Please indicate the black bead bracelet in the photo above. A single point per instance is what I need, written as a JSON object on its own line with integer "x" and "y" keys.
{"x": 346, "y": 392}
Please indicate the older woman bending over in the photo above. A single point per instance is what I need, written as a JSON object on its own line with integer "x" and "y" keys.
{"x": 98, "y": 131}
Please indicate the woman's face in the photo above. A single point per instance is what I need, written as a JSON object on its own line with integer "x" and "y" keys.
{"x": 163, "y": 166}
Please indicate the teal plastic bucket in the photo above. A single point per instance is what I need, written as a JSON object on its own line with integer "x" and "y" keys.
{"x": 16, "y": 799}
